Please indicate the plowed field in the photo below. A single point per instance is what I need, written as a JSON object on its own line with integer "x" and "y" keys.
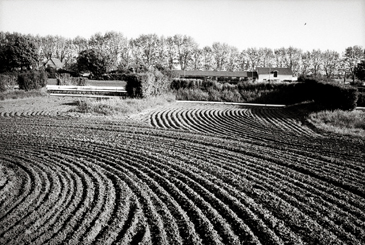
{"x": 186, "y": 174}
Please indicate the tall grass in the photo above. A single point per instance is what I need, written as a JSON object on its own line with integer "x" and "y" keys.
{"x": 118, "y": 106}
{"x": 343, "y": 122}
{"x": 21, "y": 94}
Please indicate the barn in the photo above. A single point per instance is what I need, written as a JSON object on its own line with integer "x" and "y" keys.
{"x": 215, "y": 75}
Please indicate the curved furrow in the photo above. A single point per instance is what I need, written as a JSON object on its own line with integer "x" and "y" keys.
{"x": 118, "y": 154}
{"x": 211, "y": 174}
{"x": 76, "y": 210}
{"x": 155, "y": 122}
{"x": 202, "y": 150}
{"x": 50, "y": 193}
{"x": 153, "y": 185}
{"x": 10, "y": 186}
{"x": 293, "y": 188}
{"x": 25, "y": 204}
{"x": 180, "y": 117}
{"x": 193, "y": 195}
{"x": 185, "y": 115}
{"x": 169, "y": 116}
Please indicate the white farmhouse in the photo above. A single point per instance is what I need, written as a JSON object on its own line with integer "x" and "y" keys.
{"x": 274, "y": 74}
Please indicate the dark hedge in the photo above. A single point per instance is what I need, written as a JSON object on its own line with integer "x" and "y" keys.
{"x": 32, "y": 80}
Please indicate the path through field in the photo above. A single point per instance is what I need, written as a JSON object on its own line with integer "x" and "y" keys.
{"x": 186, "y": 174}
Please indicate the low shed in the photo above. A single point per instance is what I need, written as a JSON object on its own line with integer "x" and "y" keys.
{"x": 215, "y": 75}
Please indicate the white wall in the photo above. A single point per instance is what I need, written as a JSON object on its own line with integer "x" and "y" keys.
{"x": 279, "y": 77}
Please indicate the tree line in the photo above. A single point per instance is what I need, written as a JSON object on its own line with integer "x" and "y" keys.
{"x": 114, "y": 51}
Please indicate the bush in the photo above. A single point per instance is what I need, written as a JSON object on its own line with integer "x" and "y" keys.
{"x": 66, "y": 79}
{"x": 344, "y": 122}
{"x": 178, "y": 83}
{"x": 192, "y": 94}
{"x": 7, "y": 82}
{"x": 327, "y": 96}
{"x": 334, "y": 96}
{"x": 361, "y": 100}
{"x": 122, "y": 106}
{"x": 32, "y": 80}
{"x": 150, "y": 83}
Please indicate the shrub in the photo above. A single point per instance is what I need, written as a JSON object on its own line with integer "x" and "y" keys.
{"x": 32, "y": 80}
{"x": 66, "y": 79}
{"x": 7, "y": 82}
{"x": 361, "y": 100}
{"x": 150, "y": 83}
{"x": 231, "y": 96}
{"x": 344, "y": 122}
{"x": 20, "y": 94}
{"x": 178, "y": 83}
{"x": 334, "y": 96}
{"x": 192, "y": 94}
{"x": 122, "y": 106}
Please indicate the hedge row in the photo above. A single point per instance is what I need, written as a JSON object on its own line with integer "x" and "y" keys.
{"x": 325, "y": 95}
{"x": 66, "y": 79}
{"x": 32, "y": 80}
{"x": 7, "y": 82}
{"x": 143, "y": 85}
{"x": 184, "y": 83}
{"x": 361, "y": 100}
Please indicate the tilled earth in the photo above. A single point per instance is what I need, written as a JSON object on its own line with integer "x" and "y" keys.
{"x": 184, "y": 174}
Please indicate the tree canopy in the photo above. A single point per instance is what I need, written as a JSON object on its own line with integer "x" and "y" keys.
{"x": 360, "y": 70}
{"x": 17, "y": 52}
{"x": 92, "y": 60}
{"x": 113, "y": 51}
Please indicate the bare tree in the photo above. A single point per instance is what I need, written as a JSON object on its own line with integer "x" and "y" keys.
{"x": 185, "y": 46}
{"x": 331, "y": 63}
{"x": 352, "y": 57}
{"x": 145, "y": 49}
{"x": 208, "y": 58}
{"x": 316, "y": 62}
{"x": 221, "y": 53}
{"x": 197, "y": 59}
{"x": 171, "y": 53}
{"x": 280, "y": 57}
{"x": 292, "y": 59}
{"x": 267, "y": 56}
{"x": 233, "y": 59}
{"x": 254, "y": 58}
{"x": 305, "y": 64}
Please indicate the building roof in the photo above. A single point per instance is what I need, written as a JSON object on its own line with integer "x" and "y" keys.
{"x": 197, "y": 73}
{"x": 54, "y": 62}
{"x": 268, "y": 70}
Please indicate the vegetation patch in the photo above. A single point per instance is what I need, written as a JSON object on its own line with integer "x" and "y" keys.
{"x": 21, "y": 94}
{"x": 327, "y": 96}
{"x": 66, "y": 79}
{"x": 117, "y": 106}
{"x": 7, "y": 82}
{"x": 32, "y": 79}
{"x": 149, "y": 83}
{"x": 343, "y": 122}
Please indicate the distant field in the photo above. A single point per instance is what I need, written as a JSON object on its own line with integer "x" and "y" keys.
{"x": 101, "y": 83}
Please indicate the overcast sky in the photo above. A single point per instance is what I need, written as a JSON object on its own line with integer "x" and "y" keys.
{"x": 304, "y": 24}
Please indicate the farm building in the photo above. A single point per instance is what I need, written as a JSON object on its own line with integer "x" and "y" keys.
{"x": 274, "y": 74}
{"x": 216, "y": 75}
{"x": 54, "y": 63}
{"x": 261, "y": 74}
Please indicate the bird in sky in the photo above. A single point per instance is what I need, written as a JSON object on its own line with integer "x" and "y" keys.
{"x": 305, "y": 24}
